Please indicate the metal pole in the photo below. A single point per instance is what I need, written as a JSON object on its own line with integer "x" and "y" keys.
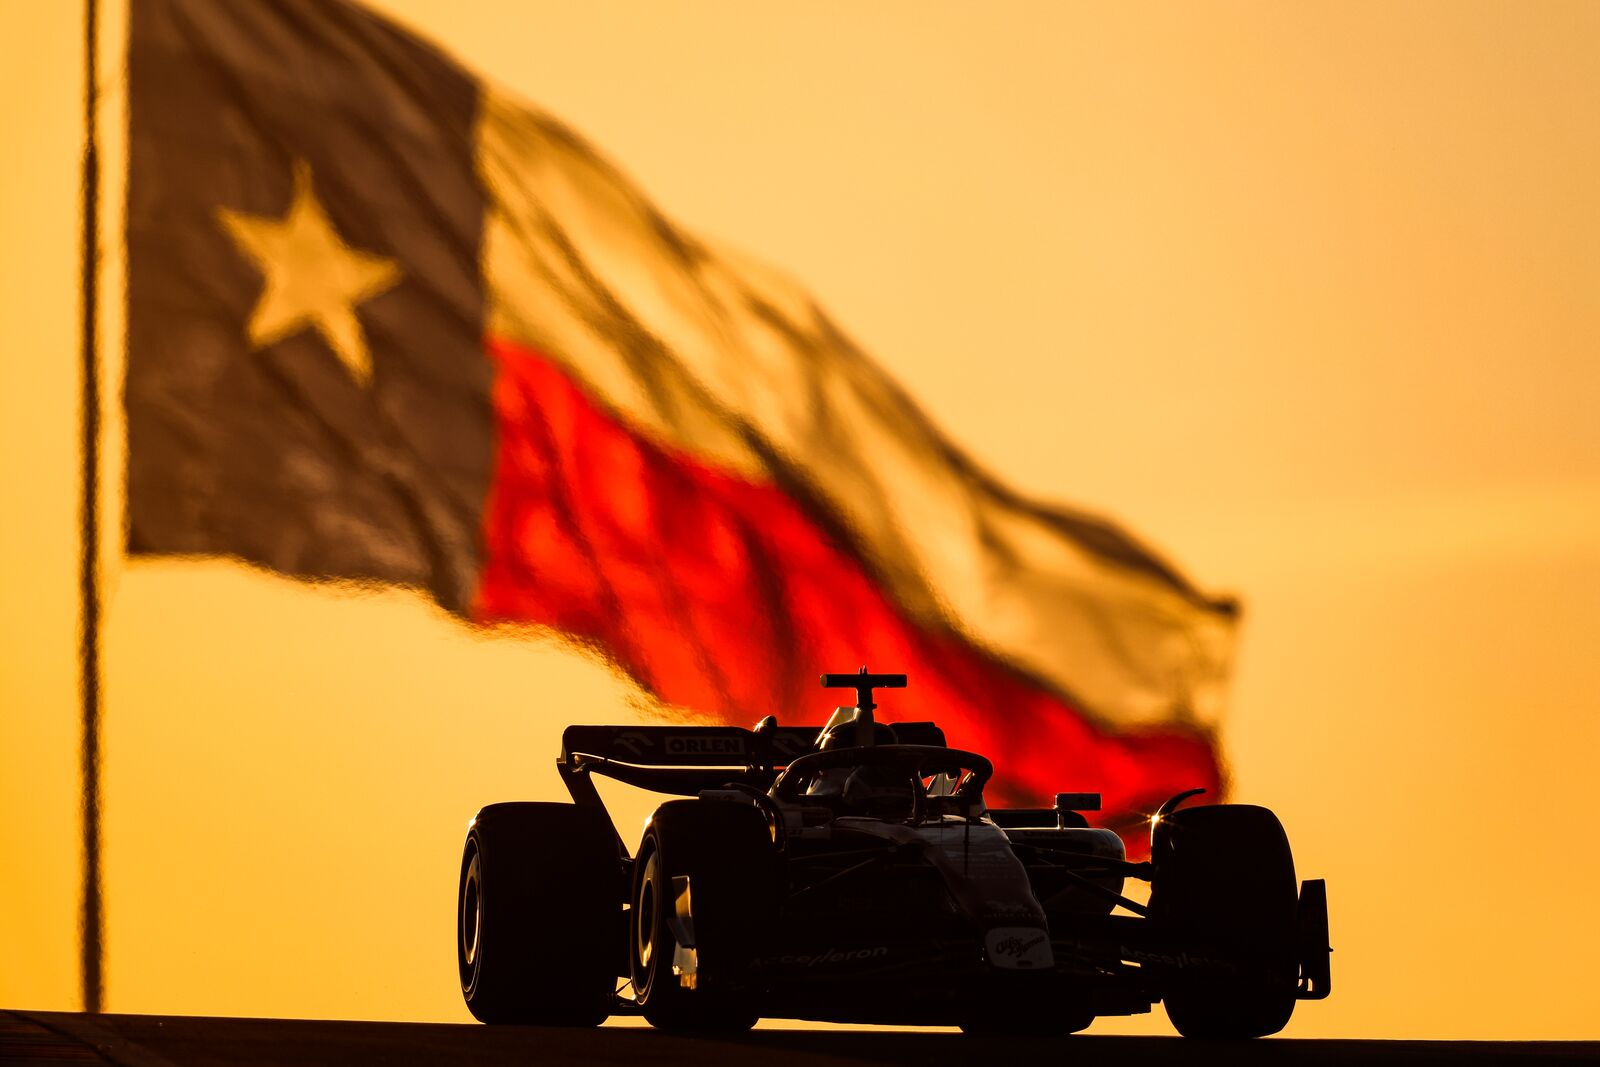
{"x": 92, "y": 919}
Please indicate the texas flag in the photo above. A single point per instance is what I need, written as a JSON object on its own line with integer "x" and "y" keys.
{"x": 387, "y": 325}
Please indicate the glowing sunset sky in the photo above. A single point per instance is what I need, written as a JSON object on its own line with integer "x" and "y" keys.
{"x": 1306, "y": 295}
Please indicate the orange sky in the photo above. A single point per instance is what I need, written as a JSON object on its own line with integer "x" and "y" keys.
{"x": 1306, "y": 294}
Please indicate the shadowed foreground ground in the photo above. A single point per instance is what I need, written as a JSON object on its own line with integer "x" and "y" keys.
{"x": 177, "y": 1041}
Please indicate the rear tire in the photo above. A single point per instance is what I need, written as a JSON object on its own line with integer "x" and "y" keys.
{"x": 537, "y": 915}
{"x": 1224, "y": 878}
{"x": 726, "y": 851}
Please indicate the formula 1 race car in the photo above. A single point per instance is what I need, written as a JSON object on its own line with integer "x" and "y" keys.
{"x": 853, "y": 873}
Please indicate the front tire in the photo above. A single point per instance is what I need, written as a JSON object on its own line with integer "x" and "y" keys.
{"x": 725, "y": 850}
{"x": 1224, "y": 878}
{"x": 537, "y": 914}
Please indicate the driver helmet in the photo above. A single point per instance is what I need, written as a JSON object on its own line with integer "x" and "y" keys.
{"x": 871, "y": 791}
{"x": 841, "y": 733}
{"x": 886, "y": 793}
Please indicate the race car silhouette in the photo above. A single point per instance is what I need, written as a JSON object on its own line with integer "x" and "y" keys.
{"x": 853, "y": 873}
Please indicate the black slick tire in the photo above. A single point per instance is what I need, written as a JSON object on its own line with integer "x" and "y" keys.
{"x": 538, "y": 915}
{"x": 1224, "y": 881}
{"x": 725, "y": 849}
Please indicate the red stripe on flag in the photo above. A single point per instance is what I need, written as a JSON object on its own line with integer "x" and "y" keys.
{"x": 724, "y": 596}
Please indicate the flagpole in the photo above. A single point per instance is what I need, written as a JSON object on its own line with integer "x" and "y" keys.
{"x": 92, "y": 920}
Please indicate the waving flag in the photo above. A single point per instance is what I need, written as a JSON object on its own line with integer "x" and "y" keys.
{"x": 387, "y": 325}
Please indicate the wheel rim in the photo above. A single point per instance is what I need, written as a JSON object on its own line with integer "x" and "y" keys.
{"x": 646, "y": 920}
{"x": 469, "y": 938}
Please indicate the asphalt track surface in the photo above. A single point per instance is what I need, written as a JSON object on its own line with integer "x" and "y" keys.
{"x": 29, "y": 1038}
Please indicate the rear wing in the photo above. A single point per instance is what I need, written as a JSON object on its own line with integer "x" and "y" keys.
{"x": 683, "y": 760}
{"x": 708, "y": 746}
